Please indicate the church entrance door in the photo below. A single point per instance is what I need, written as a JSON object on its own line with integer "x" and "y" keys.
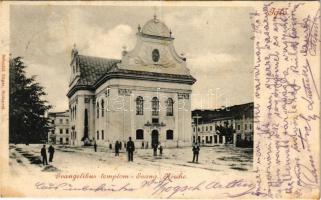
{"x": 155, "y": 137}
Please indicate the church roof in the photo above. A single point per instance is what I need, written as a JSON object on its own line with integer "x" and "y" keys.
{"x": 94, "y": 71}
{"x": 92, "y": 68}
{"x": 155, "y": 27}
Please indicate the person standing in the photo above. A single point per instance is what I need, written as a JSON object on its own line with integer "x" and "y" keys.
{"x": 44, "y": 155}
{"x": 130, "y": 147}
{"x": 51, "y": 151}
{"x": 155, "y": 149}
{"x": 117, "y": 147}
{"x": 196, "y": 150}
{"x": 160, "y": 150}
{"x": 95, "y": 147}
{"x": 142, "y": 144}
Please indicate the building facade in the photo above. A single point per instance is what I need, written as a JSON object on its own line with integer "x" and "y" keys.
{"x": 230, "y": 125}
{"x": 59, "y": 128}
{"x": 145, "y": 95}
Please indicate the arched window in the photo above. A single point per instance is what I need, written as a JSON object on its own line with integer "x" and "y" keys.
{"x": 169, "y": 108}
{"x": 155, "y": 106}
{"x": 102, "y": 108}
{"x": 139, "y": 134}
{"x": 169, "y": 135}
{"x": 97, "y": 109}
{"x": 139, "y": 105}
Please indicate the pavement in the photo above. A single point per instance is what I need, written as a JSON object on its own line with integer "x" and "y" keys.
{"x": 68, "y": 158}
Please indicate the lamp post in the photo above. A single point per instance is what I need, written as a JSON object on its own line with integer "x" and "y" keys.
{"x": 197, "y": 118}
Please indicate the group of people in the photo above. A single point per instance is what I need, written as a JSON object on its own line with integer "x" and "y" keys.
{"x": 130, "y": 148}
{"x": 51, "y": 151}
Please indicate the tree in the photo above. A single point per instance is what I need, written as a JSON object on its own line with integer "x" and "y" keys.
{"x": 226, "y": 131}
{"x": 27, "y": 122}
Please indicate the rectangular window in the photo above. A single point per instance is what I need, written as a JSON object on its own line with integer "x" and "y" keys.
{"x": 238, "y": 127}
{"x": 60, "y": 131}
{"x": 67, "y": 140}
{"x": 155, "y": 120}
{"x": 60, "y": 140}
{"x": 67, "y": 130}
{"x": 169, "y": 135}
{"x": 97, "y": 135}
{"x": 102, "y": 135}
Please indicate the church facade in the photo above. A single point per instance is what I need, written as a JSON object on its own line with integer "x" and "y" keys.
{"x": 146, "y": 95}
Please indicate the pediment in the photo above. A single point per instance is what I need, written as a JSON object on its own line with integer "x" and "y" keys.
{"x": 154, "y": 55}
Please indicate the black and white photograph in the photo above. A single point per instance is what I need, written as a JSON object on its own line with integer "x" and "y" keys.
{"x": 108, "y": 99}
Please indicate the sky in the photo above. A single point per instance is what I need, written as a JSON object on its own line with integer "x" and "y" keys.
{"x": 215, "y": 40}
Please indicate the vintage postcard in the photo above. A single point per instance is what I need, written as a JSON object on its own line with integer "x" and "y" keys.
{"x": 179, "y": 100}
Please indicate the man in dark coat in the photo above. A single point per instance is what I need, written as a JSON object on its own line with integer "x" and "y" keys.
{"x": 117, "y": 147}
{"x": 51, "y": 151}
{"x": 44, "y": 155}
{"x": 196, "y": 150}
{"x": 155, "y": 149}
{"x": 160, "y": 150}
{"x": 95, "y": 147}
{"x": 130, "y": 147}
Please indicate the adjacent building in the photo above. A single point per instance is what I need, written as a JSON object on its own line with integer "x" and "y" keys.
{"x": 229, "y": 125}
{"x": 145, "y": 95}
{"x": 59, "y": 128}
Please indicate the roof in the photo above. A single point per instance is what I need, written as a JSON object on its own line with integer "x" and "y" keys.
{"x": 231, "y": 112}
{"x": 92, "y": 68}
{"x": 59, "y": 114}
{"x": 156, "y": 27}
{"x": 94, "y": 71}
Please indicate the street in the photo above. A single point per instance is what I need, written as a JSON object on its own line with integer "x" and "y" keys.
{"x": 218, "y": 158}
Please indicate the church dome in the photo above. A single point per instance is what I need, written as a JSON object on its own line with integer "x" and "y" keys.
{"x": 156, "y": 27}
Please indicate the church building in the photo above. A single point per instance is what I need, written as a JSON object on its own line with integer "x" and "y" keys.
{"x": 146, "y": 95}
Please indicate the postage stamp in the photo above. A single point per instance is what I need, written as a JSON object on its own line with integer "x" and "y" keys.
{"x": 175, "y": 99}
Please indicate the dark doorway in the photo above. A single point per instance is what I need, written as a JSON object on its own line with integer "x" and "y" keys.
{"x": 155, "y": 137}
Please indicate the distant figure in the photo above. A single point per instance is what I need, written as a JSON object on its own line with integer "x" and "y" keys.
{"x": 142, "y": 144}
{"x": 117, "y": 147}
{"x": 95, "y": 147}
{"x": 130, "y": 147}
{"x": 155, "y": 149}
{"x": 196, "y": 150}
{"x": 160, "y": 150}
{"x": 120, "y": 145}
{"x": 51, "y": 151}
{"x": 110, "y": 146}
{"x": 44, "y": 155}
